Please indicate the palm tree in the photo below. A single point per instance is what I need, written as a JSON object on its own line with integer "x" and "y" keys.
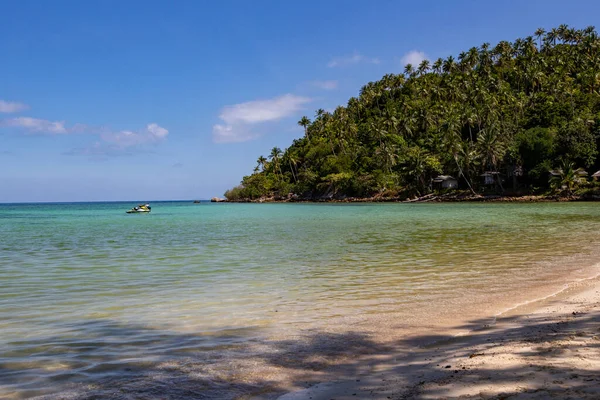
{"x": 449, "y": 65}
{"x": 292, "y": 161}
{"x": 453, "y": 143}
{"x": 437, "y": 65}
{"x": 418, "y": 164}
{"x": 275, "y": 156}
{"x": 477, "y": 113}
{"x": 491, "y": 148}
{"x": 261, "y": 162}
{"x": 304, "y": 122}
{"x": 423, "y": 67}
{"x": 552, "y": 36}
{"x": 566, "y": 177}
{"x": 539, "y": 33}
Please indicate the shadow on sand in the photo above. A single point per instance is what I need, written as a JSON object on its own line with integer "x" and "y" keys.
{"x": 104, "y": 359}
{"x": 537, "y": 356}
{"x": 527, "y": 356}
{"x": 542, "y": 356}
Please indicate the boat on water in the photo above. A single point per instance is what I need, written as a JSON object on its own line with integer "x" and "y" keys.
{"x": 142, "y": 208}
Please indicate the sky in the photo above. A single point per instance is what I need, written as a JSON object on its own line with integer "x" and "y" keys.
{"x": 156, "y": 100}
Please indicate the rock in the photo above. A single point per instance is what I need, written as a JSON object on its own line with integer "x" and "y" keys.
{"x": 217, "y": 200}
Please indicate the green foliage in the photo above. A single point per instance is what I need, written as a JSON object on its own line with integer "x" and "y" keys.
{"x": 526, "y": 106}
{"x": 419, "y": 167}
{"x": 566, "y": 178}
{"x": 536, "y": 149}
{"x": 576, "y": 142}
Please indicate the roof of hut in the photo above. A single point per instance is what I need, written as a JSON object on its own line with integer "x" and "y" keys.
{"x": 442, "y": 178}
{"x": 578, "y": 171}
{"x": 490, "y": 173}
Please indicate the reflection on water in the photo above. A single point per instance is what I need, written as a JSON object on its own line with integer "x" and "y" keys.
{"x": 225, "y": 298}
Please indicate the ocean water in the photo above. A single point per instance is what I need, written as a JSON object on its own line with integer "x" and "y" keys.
{"x": 218, "y": 300}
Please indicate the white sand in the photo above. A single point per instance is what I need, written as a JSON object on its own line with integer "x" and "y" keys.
{"x": 547, "y": 349}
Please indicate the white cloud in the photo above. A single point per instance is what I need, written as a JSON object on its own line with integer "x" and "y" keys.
{"x": 112, "y": 142}
{"x": 239, "y": 117}
{"x": 12, "y": 107}
{"x": 44, "y": 126}
{"x": 413, "y": 57}
{"x": 355, "y": 58}
{"x": 263, "y": 110}
{"x": 122, "y": 143}
{"x": 231, "y": 134}
{"x": 157, "y": 131}
{"x": 325, "y": 85}
{"x": 36, "y": 125}
{"x": 123, "y": 139}
{"x": 151, "y": 134}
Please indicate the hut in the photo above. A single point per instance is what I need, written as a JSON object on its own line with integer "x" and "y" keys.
{"x": 596, "y": 175}
{"x": 444, "y": 182}
{"x": 491, "y": 178}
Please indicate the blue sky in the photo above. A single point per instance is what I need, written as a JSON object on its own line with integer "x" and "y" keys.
{"x": 150, "y": 100}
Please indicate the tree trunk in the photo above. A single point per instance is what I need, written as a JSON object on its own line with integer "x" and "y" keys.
{"x": 292, "y": 169}
{"x": 463, "y": 175}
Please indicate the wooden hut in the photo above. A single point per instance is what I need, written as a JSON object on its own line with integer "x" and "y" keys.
{"x": 444, "y": 182}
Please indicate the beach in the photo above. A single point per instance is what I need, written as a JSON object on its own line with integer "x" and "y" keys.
{"x": 546, "y": 349}
{"x": 241, "y": 301}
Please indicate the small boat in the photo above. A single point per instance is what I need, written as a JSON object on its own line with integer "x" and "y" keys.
{"x": 142, "y": 208}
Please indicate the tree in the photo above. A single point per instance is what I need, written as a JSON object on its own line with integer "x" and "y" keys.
{"x": 491, "y": 147}
{"x": 262, "y": 161}
{"x": 274, "y": 157}
{"x": 304, "y": 122}
{"x": 539, "y": 33}
{"x": 566, "y": 178}
{"x": 419, "y": 166}
{"x": 531, "y": 102}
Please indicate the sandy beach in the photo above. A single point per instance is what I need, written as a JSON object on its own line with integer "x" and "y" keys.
{"x": 546, "y": 349}
{"x": 330, "y": 301}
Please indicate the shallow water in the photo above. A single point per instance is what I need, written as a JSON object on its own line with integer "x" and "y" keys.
{"x": 227, "y": 300}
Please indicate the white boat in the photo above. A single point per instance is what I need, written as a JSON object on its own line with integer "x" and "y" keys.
{"x": 142, "y": 208}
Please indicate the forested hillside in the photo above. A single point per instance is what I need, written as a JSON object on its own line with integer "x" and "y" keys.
{"x": 513, "y": 112}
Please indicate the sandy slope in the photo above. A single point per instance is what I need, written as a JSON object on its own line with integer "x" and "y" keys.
{"x": 549, "y": 349}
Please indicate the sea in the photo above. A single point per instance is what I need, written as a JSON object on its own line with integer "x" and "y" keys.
{"x": 227, "y": 300}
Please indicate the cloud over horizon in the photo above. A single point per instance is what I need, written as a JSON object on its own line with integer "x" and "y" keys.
{"x": 12, "y": 107}
{"x": 238, "y": 118}
{"x": 413, "y": 57}
{"x": 355, "y": 58}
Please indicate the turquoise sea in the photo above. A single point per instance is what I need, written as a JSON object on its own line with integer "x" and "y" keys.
{"x": 231, "y": 300}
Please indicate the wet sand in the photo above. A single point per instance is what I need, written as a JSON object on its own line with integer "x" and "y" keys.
{"x": 544, "y": 349}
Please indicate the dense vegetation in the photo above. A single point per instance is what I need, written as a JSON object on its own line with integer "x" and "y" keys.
{"x": 514, "y": 111}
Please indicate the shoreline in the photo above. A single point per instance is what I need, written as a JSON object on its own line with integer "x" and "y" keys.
{"x": 431, "y": 198}
{"x": 545, "y": 348}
